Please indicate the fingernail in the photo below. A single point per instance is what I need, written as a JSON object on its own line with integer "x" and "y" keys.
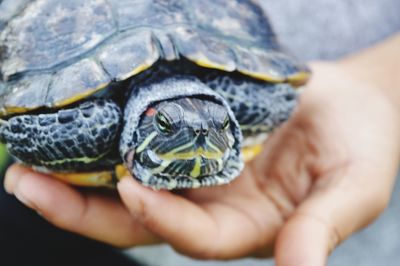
{"x": 24, "y": 200}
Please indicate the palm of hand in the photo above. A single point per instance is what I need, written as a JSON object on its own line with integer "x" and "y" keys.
{"x": 324, "y": 174}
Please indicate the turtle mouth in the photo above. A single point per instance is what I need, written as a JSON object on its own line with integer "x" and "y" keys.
{"x": 187, "y": 173}
{"x": 197, "y": 163}
{"x": 197, "y": 153}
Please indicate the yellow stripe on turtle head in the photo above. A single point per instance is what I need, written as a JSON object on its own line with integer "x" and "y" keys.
{"x": 196, "y": 171}
{"x": 146, "y": 141}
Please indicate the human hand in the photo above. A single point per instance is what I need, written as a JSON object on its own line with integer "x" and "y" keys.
{"x": 326, "y": 173}
{"x": 99, "y": 215}
{"x": 323, "y": 175}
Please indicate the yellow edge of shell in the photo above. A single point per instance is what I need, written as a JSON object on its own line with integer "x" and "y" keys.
{"x": 297, "y": 79}
{"x": 204, "y": 62}
{"x": 94, "y": 179}
{"x": 89, "y": 179}
{"x": 135, "y": 71}
{"x": 14, "y": 110}
{"x": 79, "y": 96}
{"x": 7, "y": 110}
{"x": 248, "y": 153}
{"x": 121, "y": 171}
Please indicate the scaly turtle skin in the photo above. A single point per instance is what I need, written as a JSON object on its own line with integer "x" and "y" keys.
{"x": 168, "y": 87}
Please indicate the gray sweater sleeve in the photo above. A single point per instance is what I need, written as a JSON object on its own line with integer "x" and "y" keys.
{"x": 328, "y": 29}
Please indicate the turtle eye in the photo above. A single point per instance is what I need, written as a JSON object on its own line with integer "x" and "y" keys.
{"x": 226, "y": 123}
{"x": 163, "y": 123}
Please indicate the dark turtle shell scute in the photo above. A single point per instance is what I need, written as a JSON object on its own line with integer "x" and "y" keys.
{"x": 138, "y": 50}
{"x": 52, "y": 32}
{"x": 54, "y": 52}
{"x": 15, "y": 94}
{"x": 153, "y": 14}
{"x": 10, "y": 8}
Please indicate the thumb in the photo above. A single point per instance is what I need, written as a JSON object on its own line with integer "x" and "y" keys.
{"x": 330, "y": 215}
{"x": 305, "y": 240}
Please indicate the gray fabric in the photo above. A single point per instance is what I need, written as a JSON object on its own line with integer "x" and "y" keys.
{"x": 327, "y": 29}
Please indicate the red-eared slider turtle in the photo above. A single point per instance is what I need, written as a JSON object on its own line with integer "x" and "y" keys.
{"x": 168, "y": 87}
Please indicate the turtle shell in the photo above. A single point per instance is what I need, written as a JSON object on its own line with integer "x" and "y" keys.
{"x": 53, "y": 53}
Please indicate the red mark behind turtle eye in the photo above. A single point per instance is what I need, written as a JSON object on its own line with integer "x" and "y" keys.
{"x": 151, "y": 111}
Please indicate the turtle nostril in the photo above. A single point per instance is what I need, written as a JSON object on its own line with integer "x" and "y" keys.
{"x": 204, "y": 131}
{"x": 197, "y": 131}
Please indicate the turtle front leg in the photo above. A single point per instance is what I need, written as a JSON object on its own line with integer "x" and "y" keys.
{"x": 80, "y": 139}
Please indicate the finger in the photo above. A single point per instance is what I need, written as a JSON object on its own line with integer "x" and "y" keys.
{"x": 167, "y": 215}
{"x": 207, "y": 230}
{"x": 329, "y": 216}
{"x": 100, "y": 217}
{"x": 304, "y": 241}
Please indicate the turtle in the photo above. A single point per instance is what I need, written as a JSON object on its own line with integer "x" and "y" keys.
{"x": 177, "y": 93}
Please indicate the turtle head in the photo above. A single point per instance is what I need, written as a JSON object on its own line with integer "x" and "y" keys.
{"x": 182, "y": 138}
{"x": 179, "y": 133}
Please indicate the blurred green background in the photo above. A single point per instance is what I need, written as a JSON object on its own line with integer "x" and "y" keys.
{"x": 5, "y": 159}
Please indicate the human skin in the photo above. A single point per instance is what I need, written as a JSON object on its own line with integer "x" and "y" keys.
{"x": 323, "y": 175}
